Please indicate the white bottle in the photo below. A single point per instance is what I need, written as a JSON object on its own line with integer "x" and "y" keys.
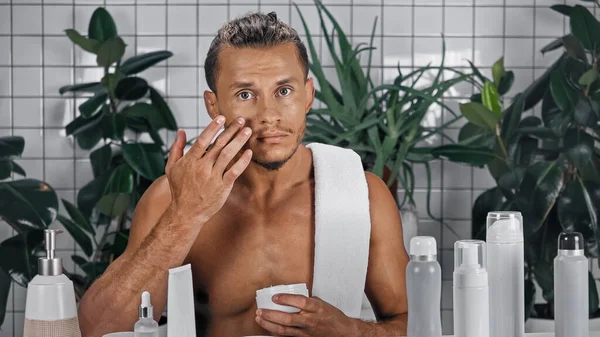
{"x": 424, "y": 288}
{"x": 471, "y": 297}
{"x": 571, "y": 307}
{"x": 146, "y": 326}
{"x": 506, "y": 269}
{"x": 50, "y": 308}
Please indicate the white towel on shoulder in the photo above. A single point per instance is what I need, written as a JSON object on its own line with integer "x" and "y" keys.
{"x": 342, "y": 228}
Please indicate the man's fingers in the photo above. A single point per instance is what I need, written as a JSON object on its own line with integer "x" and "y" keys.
{"x": 283, "y": 318}
{"x": 238, "y": 168}
{"x": 206, "y": 136}
{"x": 232, "y": 149}
{"x": 225, "y": 137}
{"x": 176, "y": 151}
{"x": 278, "y": 329}
{"x": 298, "y": 301}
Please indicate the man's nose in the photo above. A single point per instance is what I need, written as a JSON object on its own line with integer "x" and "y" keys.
{"x": 268, "y": 113}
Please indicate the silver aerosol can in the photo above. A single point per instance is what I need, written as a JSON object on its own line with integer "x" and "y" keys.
{"x": 424, "y": 287}
{"x": 571, "y": 287}
{"x": 506, "y": 269}
{"x": 471, "y": 296}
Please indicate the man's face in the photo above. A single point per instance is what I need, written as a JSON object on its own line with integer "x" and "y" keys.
{"x": 268, "y": 88}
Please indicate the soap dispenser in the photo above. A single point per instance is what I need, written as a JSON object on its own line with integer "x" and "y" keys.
{"x": 50, "y": 309}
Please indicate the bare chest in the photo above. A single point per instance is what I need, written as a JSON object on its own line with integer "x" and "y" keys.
{"x": 244, "y": 250}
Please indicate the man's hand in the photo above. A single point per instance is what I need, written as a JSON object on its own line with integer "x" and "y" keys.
{"x": 316, "y": 318}
{"x": 201, "y": 181}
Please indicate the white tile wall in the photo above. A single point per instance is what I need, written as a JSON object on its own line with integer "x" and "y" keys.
{"x": 36, "y": 59}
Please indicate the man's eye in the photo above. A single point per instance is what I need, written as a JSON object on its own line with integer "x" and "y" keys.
{"x": 285, "y": 91}
{"x": 245, "y": 95}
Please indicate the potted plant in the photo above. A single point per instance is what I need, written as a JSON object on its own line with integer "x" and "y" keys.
{"x": 28, "y": 206}
{"x": 120, "y": 111}
{"x": 546, "y": 168}
{"x": 382, "y": 123}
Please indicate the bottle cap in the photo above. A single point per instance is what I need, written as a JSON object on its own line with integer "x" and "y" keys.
{"x": 469, "y": 254}
{"x": 145, "y": 309}
{"x": 50, "y": 265}
{"x": 423, "y": 246}
{"x": 504, "y": 227}
{"x": 570, "y": 241}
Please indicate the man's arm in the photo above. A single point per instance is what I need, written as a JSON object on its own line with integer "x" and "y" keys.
{"x": 386, "y": 274}
{"x": 110, "y": 304}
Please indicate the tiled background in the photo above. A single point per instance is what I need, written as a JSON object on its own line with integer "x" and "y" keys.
{"x": 36, "y": 59}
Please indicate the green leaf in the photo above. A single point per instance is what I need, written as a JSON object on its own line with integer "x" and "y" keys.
{"x": 491, "y": 99}
{"x": 593, "y": 294}
{"x": 506, "y": 83}
{"x": 113, "y": 126}
{"x": 586, "y": 111}
{"x": 552, "y": 45}
{"x": 542, "y": 133}
{"x": 28, "y": 204}
{"x": 553, "y": 117}
{"x": 577, "y": 211}
{"x": 82, "y": 124}
{"x": 78, "y": 217}
{"x": 89, "y": 138}
{"x": 511, "y": 180}
{"x": 574, "y": 48}
{"x": 585, "y": 27}
{"x": 111, "y": 80}
{"x": 121, "y": 240}
{"x": 563, "y": 95}
{"x": 90, "y": 107}
{"x": 498, "y": 70}
{"x": 79, "y": 236}
{"x": 538, "y": 193}
{"x": 145, "y": 159}
{"x": 92, "y": 270}
{"x": 137, "y": 114}
{"x": 11, "y": 146}
{"x": 479, "y": 115}
{"x": 93, "y": 87}
{"x": 471, "y": 134}
{"x": 529, "y": 298}
{"x": 168, "y": 120}
{"x": 478, "y": 73}
{"x": 488, "y": 201}
{"x": 512, "y": 118}
{"x": 472, "y": 155}
{"x": 18, "y": 169}
{"x": 118, "y": 192}
{"x": 562, "y": 9}
{"x": 6, "y": 168}
{"x": 544, "y": 276}
{"x": 131, "y": 88}
{"x": 110, "y": 51}
{"x": 89, "y": 45}
{"x": 525, "y": 151}
{"x": 589, "y": 77}
{"x": 17, "y": 255}
{"x": 5, "y": 282}
{"x": 88, "y": 196}
{"x": 535, "y": 92}
{"x": 100, "y": 160}
{"x": 102, "y": 26}
{"x": 578, "y": 147}
{"x": 139, "y": 63}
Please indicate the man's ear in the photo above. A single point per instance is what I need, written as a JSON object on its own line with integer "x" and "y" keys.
{"x": 210, "y": 101}
{"x": 309, "y": 86}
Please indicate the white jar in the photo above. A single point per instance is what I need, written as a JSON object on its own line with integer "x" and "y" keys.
{"x": 264, "y": 297}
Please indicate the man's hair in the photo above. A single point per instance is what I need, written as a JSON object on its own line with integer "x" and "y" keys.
{"x": 254, "y": 30}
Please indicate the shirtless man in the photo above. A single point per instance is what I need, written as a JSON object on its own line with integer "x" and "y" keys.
{"x": 241, "y": 211}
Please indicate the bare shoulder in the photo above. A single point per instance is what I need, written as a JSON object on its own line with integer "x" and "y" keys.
{"x": 148, "y": 211}
{"x": 382, "y": 205}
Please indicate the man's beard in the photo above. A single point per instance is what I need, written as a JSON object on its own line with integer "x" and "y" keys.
{"x": 276, "y": 165}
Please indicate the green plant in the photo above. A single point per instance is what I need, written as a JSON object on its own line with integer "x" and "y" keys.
{"x": 546, "y": 168}
{"x": 28, "y": 206}
{"x": 119, "y": 107}
{"x": 382, "y": 123}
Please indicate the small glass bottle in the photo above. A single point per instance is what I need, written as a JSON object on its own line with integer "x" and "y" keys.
{"x": 146, "y": 326}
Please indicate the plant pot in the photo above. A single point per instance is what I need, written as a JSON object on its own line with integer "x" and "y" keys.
{"x": 410, "y": 223}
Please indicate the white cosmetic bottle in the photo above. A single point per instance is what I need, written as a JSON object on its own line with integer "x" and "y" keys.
{"x": 571, "y": 313}
{"x": 471, "y": 297}
{"x": 506, "y": 269}
{"x": 146, "y": 326}
{"x": 50, "y": 309}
